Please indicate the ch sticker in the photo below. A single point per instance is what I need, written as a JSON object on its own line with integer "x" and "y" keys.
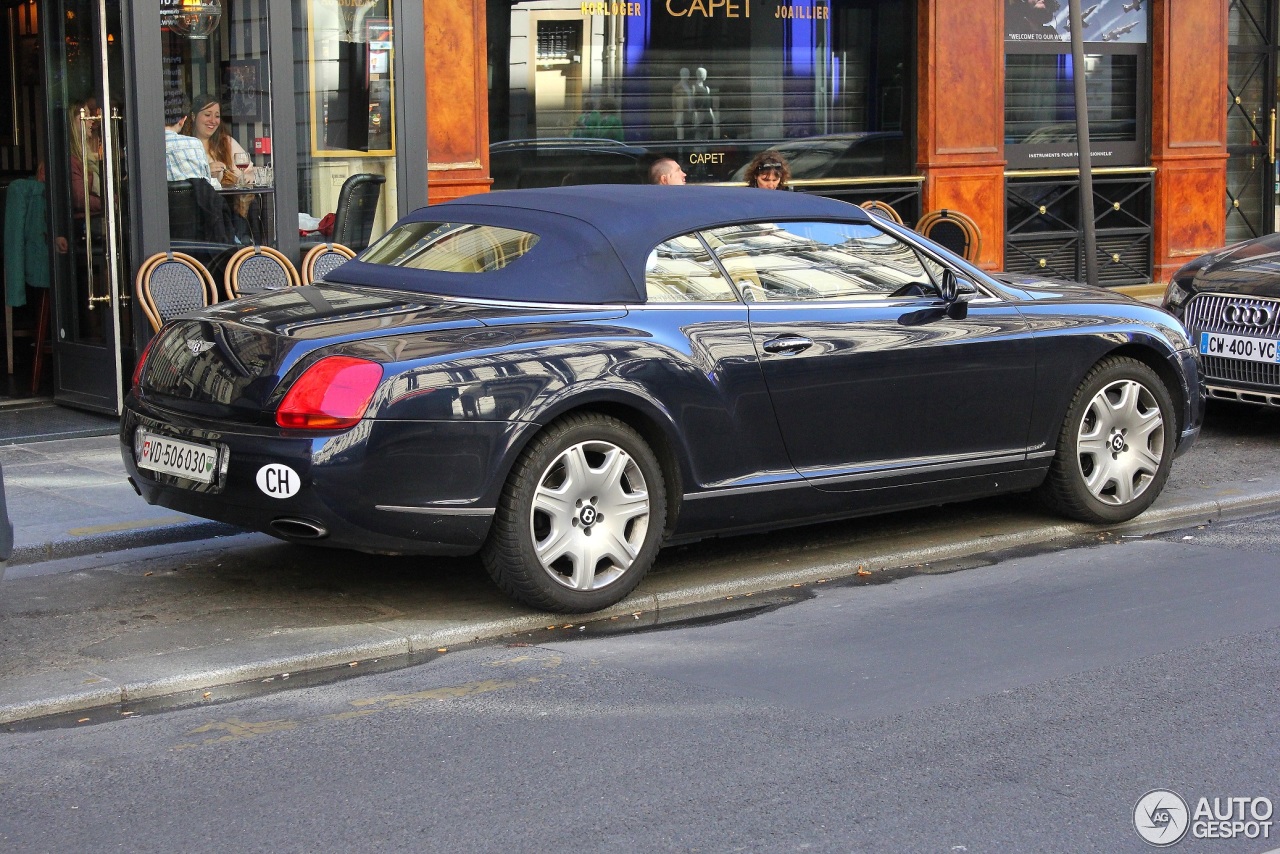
{"x": 279, "y": 481}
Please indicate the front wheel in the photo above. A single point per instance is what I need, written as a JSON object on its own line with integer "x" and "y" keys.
{"x": 581, "y": 517}
{"x": 1116, "y": 444}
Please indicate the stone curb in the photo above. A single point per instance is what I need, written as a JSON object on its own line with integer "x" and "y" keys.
{"x": 111, "y": 541}
{"x": 323, "y": 648}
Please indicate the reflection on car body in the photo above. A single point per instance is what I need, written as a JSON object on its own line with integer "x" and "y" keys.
{"x": 566, "y": 379}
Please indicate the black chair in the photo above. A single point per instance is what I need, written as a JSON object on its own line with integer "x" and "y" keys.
{"x": 184, "y": 215}
{"x": 357, "y": 206}
{"x": 199, "y": 212}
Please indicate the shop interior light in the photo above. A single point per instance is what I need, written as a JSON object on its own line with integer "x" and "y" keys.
{"x": 192, "y": 19}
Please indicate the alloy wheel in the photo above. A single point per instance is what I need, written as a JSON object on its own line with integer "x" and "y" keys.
{"x": 1120, "y": 444}
{"x": 590, "y": 515}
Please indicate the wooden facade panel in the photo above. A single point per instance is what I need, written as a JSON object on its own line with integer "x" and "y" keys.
{"x": 457, "y": 98}
{"x": 961, "y": 80}
{"x": 1188, "y": 130}
{"x": 978, "y": 192}
{"x": 1189, "y": 51}
{"x": 1189, "y": 213}
{"x": 960, "y": 137}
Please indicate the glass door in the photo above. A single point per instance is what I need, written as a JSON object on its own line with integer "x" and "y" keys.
{"x": 1251, "y": 120}
{"x": 86, "y": 104}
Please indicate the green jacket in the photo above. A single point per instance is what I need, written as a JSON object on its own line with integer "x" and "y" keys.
{"x": 26, "y": 239}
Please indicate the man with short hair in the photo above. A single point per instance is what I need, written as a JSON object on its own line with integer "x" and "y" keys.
{"x": 184, "y": 156}
{"x": 666, "y": 171}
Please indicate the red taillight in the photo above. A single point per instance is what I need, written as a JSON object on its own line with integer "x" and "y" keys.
{"x": 142, "y": 361}
{"x": 332, "y": 394}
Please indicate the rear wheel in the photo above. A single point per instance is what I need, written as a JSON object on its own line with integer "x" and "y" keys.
{"x": 1116, "y": 444}
{"x": 581, "y": 517}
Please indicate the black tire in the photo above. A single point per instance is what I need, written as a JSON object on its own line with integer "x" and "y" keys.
{"x": 581, "y": 517}
{"x": 1116, "y": 444}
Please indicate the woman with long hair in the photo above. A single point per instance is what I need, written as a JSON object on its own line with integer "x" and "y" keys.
{"x": 86, "y": 158}
{"x": 221, "y": 147}
{"x": 768, "y": 170}
{"x": 228, "y": 162}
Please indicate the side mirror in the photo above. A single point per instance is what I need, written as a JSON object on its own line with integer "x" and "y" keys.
{"x": 956, "y": 294}
{"x": 948, "y": 288}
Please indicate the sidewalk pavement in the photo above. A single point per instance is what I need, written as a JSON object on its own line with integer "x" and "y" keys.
{"x": 69, "y": 498}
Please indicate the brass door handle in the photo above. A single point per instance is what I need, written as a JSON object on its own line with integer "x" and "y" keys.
{"x": 85, "y": 120}
{"x": 1271, "y": 143}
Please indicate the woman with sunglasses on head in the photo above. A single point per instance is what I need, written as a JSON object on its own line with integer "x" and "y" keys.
{"x": 768, "y": 171}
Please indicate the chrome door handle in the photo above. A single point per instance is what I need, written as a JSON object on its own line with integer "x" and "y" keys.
{"x": 788, "y": 345}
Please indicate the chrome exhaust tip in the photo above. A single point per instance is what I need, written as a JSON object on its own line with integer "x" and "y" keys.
{"x": 298, "y": 529}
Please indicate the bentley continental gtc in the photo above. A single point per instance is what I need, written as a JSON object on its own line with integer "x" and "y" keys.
{"x": 564, "y": 380}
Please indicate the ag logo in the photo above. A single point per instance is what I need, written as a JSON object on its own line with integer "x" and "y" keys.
{"x": 278, "y": 481}
{"x": 1160, "y": 817}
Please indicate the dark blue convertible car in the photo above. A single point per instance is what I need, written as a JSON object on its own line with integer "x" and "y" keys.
{"x": 566, "y": 379}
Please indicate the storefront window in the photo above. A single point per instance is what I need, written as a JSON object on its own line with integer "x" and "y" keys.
{"x": 587, "y": 92}
{"x": 346, "y": 109}
{"x": 217, "y": 92}
{"x": 1040, "y": 107}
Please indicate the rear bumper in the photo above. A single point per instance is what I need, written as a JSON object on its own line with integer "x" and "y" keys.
{"x": 381, "y": 487}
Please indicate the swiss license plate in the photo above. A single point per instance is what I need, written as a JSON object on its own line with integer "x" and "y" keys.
{"x": 1239, "y": 347}
{"x": 174, "y": 456}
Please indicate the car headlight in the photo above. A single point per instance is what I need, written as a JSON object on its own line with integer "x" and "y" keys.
{"x": 1175, "y": 295}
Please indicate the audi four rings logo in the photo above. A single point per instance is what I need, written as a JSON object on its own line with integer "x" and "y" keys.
{"x": 1246, "y": 315}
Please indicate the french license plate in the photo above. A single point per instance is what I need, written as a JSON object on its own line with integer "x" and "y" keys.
{"x": 1240, "y": 347}
{"x": 174, "y": 456}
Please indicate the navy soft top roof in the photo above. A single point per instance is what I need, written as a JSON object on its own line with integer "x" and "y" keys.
{"x": 593, "y": 239}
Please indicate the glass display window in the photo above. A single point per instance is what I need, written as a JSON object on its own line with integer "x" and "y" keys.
{"x": 217, "y": 92}
{"x": 829, "y": 83}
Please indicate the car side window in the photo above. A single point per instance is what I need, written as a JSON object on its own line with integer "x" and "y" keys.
{"x": 681, "y": 270}
{"x": 817, "y": 261}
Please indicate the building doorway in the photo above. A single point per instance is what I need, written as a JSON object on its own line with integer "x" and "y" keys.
{"x": 86, "y": 98}
{"x": 1251, "y": 119}
{"x": 62, "y": 145}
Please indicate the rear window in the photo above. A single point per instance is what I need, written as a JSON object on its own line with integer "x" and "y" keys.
{"x": 450, "y": 247}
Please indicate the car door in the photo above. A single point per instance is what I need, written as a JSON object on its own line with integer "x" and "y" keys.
{"x": 870, "y": 375}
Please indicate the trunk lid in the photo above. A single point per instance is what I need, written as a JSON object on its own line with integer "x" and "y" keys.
{"x": 228, "y": 361}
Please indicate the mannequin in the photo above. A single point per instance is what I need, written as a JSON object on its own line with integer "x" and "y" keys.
{"x": 706, "y": 124}
{"x": 682, "y": 103}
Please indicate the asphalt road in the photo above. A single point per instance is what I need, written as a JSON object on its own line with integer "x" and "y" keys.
{"x": 1025, "y": 705}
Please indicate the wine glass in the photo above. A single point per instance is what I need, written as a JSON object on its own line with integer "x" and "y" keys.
{"x": 242, "y": 163}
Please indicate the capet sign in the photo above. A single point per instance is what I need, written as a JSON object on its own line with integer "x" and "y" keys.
{"x": 1162, "y": 818}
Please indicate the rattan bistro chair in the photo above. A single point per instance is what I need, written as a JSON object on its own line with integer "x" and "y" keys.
{"x": 879, "y": 208}
{"x": 255, "y": 269}
{"x": 170, "y": 284}
{"x": 322, "y": 259}
{"x": 954, "y": 230}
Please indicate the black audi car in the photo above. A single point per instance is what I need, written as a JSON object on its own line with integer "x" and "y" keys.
{"x": 1230, "y": 303}
{"x": 566, "y": 379}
